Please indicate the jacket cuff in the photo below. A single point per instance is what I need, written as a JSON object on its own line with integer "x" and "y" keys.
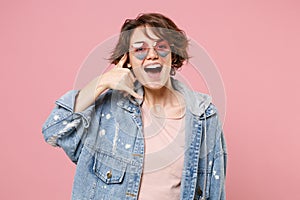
{"x": 67, "y": 101}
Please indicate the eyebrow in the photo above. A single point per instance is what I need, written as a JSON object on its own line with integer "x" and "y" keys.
{"x": 158, "y": 40}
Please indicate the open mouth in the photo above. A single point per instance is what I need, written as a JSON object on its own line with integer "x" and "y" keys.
{"x": 155, "y": 68}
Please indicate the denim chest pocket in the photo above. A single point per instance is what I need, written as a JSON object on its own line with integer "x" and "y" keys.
{"x": 108, "y": 168}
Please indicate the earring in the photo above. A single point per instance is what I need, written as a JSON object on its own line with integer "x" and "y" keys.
{"x": 173, "y": 71}
{"x": 128, "y": 66}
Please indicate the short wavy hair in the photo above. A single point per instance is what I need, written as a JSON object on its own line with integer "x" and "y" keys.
{"x": 163, "y": 27}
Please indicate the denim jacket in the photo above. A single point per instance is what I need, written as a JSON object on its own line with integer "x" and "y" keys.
{"x": 108, "y": 169}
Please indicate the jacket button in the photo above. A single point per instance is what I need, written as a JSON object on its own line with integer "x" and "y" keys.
{"x": 108, "y": 174}
{"x": 199, "y": 191}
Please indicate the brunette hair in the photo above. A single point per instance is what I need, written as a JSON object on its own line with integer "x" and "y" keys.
{"x": 163, "y": 27}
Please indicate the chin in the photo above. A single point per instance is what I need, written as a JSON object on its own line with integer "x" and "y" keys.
{"x": 155, "y": 85}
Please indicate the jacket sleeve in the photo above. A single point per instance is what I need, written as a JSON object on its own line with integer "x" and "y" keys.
{"x": 65, "y": 128}
{"x": 218, "y": 176}
{"x": 219, "y": 160}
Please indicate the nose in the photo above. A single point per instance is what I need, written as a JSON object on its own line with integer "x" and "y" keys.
{"x": 152, "y": 54}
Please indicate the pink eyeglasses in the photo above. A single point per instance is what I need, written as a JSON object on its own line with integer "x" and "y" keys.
{"x": 141, "y": 49}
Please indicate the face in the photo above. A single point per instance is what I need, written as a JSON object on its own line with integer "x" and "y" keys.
{"x": 150, "y": 58}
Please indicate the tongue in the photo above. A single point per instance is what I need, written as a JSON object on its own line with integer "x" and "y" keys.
{"x": 153, "y": 73}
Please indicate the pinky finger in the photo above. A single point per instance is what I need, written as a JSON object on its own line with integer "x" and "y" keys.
{"x": 132, "y": 93}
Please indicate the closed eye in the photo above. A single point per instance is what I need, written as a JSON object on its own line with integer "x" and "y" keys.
{"x": 141, "y": 49}
{"x": 163, "y": 47}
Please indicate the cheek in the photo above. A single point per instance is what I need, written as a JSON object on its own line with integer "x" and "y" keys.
{"x": 134, "y": 62}
{"x": 139, "y": 74}
{"x": 168, "y": 60}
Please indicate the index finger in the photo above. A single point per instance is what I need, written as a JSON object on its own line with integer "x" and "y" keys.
{"x": 122, "y": 61}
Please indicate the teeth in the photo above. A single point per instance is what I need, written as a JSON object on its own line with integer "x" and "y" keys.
{"x": 153, "y": 66}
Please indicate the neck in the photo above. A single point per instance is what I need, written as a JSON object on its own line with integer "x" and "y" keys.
{"x": 161, "y": 96}
{"x": 165, "y": 99}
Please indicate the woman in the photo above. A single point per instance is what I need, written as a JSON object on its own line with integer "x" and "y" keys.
{"x": 135, "y": 132}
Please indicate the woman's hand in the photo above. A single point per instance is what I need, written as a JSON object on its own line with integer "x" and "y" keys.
{"x": 118, "y": 78}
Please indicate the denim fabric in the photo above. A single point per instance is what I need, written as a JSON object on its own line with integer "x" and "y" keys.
{"x": 106, "y": 142}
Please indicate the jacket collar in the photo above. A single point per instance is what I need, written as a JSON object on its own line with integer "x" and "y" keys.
{"x": 196, "y": 102}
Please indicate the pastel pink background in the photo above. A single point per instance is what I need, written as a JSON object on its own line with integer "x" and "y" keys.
{"x": 254, "y": 43}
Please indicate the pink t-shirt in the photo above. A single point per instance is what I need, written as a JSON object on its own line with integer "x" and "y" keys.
{"x": 164, "y": 148}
